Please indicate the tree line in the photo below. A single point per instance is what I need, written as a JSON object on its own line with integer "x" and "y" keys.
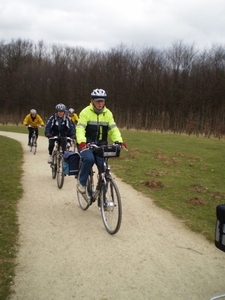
{"x": 179, "y": 89}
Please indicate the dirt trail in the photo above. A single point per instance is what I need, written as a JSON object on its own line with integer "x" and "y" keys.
{"x": 65, "y": 253}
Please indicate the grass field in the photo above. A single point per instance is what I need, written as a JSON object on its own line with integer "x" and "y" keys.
{"x": 182, "y": 174}
{"x": 11, "y": 159}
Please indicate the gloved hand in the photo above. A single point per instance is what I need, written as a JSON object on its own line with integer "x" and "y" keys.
{"x": 82, "y": 146}
{"x": 48, "y": 135}
{"x": 72, "y": 137}
{"x": 123, "y": 145}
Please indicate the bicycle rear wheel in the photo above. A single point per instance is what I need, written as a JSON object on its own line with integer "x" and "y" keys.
{"x": 111, "y": 206}
{"x": 84, "y": 199}
{"x": 60, "y": 173}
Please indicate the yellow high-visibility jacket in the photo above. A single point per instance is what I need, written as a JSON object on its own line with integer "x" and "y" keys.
{"x": 95, "y": 127}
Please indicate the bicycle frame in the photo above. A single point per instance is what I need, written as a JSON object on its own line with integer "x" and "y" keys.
{"x": 102, "y": 180}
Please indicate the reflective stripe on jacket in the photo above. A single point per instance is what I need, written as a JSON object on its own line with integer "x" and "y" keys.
{"x": 95, "y": 128}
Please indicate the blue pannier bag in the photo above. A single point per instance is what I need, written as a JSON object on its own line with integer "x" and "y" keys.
{"x": 71, "y": 163}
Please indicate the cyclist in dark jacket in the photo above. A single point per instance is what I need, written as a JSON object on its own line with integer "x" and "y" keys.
{"x": 59, "y": 124}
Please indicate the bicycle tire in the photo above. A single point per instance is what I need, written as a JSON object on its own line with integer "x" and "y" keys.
{"x": 111, "y": 206}
{"x": 84, "y": 204}
{"x": 75, "y": 146}
{"x": 34, "y": 144}
{"x": 31, "y": 144}
{"x": 54, "y": 166}
{"x": 60, "y": 173}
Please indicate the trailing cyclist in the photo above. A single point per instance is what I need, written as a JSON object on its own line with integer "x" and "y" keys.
{"x": 59, "y": 124}
{"x": 94, "y": 124}
{"x": 73, "y": 116}
{"x": 33, "y": 120}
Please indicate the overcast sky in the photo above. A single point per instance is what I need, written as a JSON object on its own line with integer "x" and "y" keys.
{"x": 103, "y": 24}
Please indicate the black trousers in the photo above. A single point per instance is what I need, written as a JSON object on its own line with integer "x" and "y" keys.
{"x": 30, "y": 129}
{"x": 51, "y": 144}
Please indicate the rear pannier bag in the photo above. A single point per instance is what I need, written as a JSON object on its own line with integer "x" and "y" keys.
{"x": 71, "y": 163}
{"x": 220, "y": 227}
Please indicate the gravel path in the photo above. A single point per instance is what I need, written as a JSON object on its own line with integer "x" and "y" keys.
{"x": 65, "y": 253}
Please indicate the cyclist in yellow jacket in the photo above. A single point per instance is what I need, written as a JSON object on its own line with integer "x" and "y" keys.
{"x": 32, "y": 120}
{"x": 95, "y": 123}
{"x": 73, "y": 116}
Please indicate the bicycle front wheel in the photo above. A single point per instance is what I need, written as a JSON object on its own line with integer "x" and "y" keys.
{"x": 83, "y": 199}
{"x": 34, "y": 144}
{"x": 54, "y": 165}
{"x": 111, "y": 206}
{"x": 60, "y": 173}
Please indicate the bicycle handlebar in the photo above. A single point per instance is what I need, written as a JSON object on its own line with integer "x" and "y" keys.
{"x": 93, "y": 145}
{"x": 60, "y": 137}
{"x": 35, "y": 127}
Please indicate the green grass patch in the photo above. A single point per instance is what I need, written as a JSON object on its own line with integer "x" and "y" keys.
{"x": 10, "y": 193}
{"x": 19, "y": 129}
{"x": 182, "y": 174}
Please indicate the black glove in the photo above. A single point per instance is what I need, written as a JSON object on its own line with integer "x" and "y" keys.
{"x": 48, "y": 135}
{"x": 72, "y": 137}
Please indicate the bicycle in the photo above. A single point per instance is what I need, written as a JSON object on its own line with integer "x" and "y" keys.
{"x": 57, "y": 161}
{"x": 33, "y": 141}
{"x": 106, "y": 192}
{"x": 74, "y": 145}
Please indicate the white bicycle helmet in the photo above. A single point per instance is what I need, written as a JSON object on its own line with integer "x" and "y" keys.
{"x": 60, "y": 107}
{"x": 33, "y": 111}
{"x": 98, "y": 94}
{"x": 71, "y": 111}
